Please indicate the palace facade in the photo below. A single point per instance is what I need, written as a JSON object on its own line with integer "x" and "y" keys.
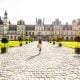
{"x": 39, "y": 30}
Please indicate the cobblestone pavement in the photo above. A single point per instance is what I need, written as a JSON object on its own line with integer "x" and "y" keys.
{"x": 54, "y": 63}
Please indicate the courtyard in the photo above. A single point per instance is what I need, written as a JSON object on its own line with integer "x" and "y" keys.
{"x": 54, "y": 63}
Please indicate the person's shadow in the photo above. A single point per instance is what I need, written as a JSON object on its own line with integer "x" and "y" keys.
{"x": 33, "y": 56}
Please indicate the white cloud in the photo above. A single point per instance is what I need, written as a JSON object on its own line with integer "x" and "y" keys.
{"x": 27, "y": 10}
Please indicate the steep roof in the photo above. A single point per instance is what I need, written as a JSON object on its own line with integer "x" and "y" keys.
{"x": 13, "y": 27}
{"x": 1, "y": 22}
{"x": 63, "y": 25}
{"x": 47, "y": 25}
{"x": 68, "y": 27}
{"x": 30, "y": 27}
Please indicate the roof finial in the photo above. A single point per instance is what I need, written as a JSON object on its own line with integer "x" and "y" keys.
{"x": 43, "y": 20}
{"x": 5, "y": 14}
{"x": 36, "y": 20}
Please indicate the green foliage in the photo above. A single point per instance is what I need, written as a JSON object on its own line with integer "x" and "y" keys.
{"x": 59, "y": 39}
{"x": 60, "y": 44}
{"x": 53, "y": 42}
{"x": 20, "y": 38}
{"x": 26, "y": 42}
{"x": 4, "y": 40}
{"x": 49, "y": 39}
{"x": 30, "y": 39}
{"x": 53, "y": 39}
{"x": 77, "y": 38}
{"x": 26, "y": 39}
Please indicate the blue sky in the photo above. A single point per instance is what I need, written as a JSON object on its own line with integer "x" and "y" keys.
{"x": 28, "y": 10}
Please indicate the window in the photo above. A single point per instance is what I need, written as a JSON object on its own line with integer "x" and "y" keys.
{"x": 26, "y": 33}
{"x": 15, "y": 37}
{"x": 11, "y": 37}
{"x": 63, "y": 38}
{"x": 67, "y": 28}
{"x": 63, "y": 28}
{"x": 67, "y": 38}
{"x": 29, "y": 33}
{"x": 72, "y": 38}
{"x": 32, "y": 33}
{"x": 22, "y": 32}
{"x": 71, "y": 28}
{"x": 71, "y": 33}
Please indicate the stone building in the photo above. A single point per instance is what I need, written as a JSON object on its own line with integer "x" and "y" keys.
{"x": 39, "y": 30}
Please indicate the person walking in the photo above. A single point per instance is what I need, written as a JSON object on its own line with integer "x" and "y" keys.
{"x": 39, "y": 45}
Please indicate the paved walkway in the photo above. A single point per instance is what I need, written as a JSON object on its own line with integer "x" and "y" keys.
{"x": 54, "y": 63}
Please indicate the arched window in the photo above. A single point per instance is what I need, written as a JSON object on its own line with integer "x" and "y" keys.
{"x": 63, "y": 38}
{"x": 14, "y": 37}
{"x": 32, "y": 33}
{"x": 71, "y": 28}
{"x": 29, "y": 33}
{"x": 67, "y": 28}
{"x": 72, "y": 38}
{"x": 11, "y": 37}
{"x": 67, "y": 38}
{"x": 26, "y": 33}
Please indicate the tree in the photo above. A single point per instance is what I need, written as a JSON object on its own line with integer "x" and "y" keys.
{"x": 30, "y": 39}
{"x": 20, "y": 39}
{"x": 77, "y": 39}
{"x": 77, "y": 49}
{"x": 26, "y": 40}
{"x": 48, "y": 39}
{"x": 59, "y": 39}
{"x": 4, "y": 40}
{"x": 53, "y": 39}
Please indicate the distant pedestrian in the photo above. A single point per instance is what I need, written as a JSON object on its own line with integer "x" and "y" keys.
{"x": 39, "y": 45}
